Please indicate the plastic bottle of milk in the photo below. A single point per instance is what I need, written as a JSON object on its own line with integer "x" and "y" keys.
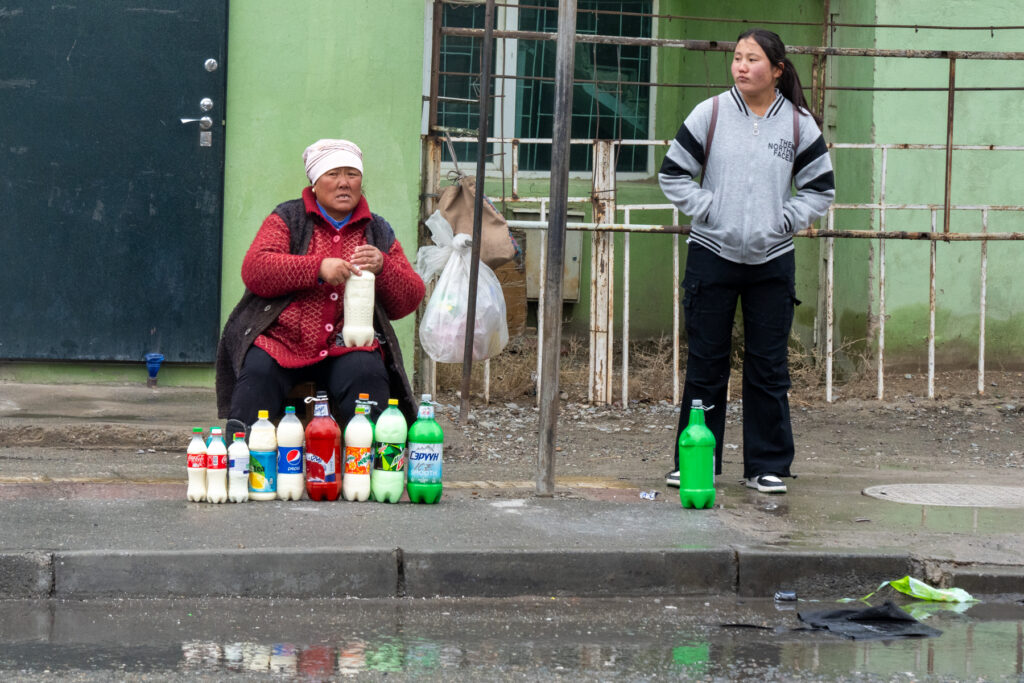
{"x": 290, "y": 440}
{"x": 238, "y": 469}
{"x": 358, "y": 456}
{"x": 196, "y": 462}
{"x": 357, "y": 329}
{"x": 216, "y": 467}
{"x": 387, "y": 481}
{"x": 263, "y": 459}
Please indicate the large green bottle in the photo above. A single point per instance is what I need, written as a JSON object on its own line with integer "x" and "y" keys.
{"x": 426, "y": 451}
{"x": 387, "y": 478}
{"x": 697, "y": 461}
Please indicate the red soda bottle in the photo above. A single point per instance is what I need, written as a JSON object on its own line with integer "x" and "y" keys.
{"x": 323, "y": 452}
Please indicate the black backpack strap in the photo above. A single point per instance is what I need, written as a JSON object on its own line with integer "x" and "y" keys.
{"x": 711, "y": 136}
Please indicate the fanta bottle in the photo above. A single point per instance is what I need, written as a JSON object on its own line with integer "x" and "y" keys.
{"x": 216, "y": 467}
{"x": 196, "y": 462}
{"x": 387, "y": 481}
{"x": 323, "y": 452}
{"x": 263, "y": 459}
{"x": 426, "y": 455}
{"x": 358, "y": 456}
{"x": 290, "y": 482}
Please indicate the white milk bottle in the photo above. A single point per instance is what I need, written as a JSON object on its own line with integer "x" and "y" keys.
{"x": 238, "y": 469}
{"x": 263, "y": 459}
{"x": 358, "y": 456}
{"x": 196, "y": 461}
{"x": 357, "y": 329}
{"x": 290, "y": 440}
{"x": 216, "y": 467}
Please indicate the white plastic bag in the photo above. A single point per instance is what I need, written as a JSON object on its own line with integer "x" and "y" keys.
{"x": 443, "y": 326}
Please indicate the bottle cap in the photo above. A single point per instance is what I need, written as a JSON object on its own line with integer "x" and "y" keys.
{"x": 214, "y": 431}
{"x": 364, "y": 397}
{"x": 289, "y": 410}
{"x": 697, "y": 403}
{"x": 197, "y": 430}
{"x": 239, "y": 435}
{"x": 426, "y": 398}
{"x": 392, "y": 401}
{"x": 264, "y": 414}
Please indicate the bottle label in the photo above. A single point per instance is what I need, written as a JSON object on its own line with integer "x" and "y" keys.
{"x": 357, "y": 459}
{"x": 320, "y": 409}
{"x": 197, "y": 460}
{"x": 389, "y": 457}
{"x": 289, "y": 460}
{"x": 239, "y": 464}
{"x": 320, "y": 472}
{"x": 216, "y": 461}
{"x": 426, "y": 412}
{"x": 425, "y": 463}
{"x": 263, "y": 472}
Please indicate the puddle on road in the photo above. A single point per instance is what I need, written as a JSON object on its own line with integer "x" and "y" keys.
{"x": 582, "y": 639}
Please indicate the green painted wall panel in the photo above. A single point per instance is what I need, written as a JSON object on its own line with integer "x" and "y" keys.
{"x": 315, "y": 69}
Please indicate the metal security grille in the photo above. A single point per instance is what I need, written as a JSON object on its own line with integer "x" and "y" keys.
{"x": 610, "y": 104}
{"x": 459, "y": 84}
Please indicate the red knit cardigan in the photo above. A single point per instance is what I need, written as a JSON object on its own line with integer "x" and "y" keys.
{"x": 309, "y": 329}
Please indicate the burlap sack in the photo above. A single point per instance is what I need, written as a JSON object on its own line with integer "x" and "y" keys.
{"x": 456, "y": 205}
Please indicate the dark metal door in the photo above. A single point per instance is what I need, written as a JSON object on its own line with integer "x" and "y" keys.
{"x": 110, "y": 205}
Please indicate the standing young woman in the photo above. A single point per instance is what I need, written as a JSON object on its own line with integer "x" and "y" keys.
{"x": 740, "y": 247}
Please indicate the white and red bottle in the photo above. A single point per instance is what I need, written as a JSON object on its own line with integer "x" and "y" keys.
{"x": 290, "y": 440}
{"x": 358, "y": 457}
{"x": 357, "y": 329}
{"x": 216, "y": 467}
{"x": 196, "y": 454}
{"x": 238, "y": 469}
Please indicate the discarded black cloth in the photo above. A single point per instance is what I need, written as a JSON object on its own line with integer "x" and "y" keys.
{"x": 873, "y": 623}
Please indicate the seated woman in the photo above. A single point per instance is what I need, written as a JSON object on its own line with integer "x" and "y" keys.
{"x": 287, "y": 328}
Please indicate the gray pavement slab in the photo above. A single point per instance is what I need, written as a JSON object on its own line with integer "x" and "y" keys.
{"x": 85, "y": 517}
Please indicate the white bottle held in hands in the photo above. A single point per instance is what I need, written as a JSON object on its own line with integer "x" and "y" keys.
{"x": 263, "y": 459}
{"x": 216, "y": 467}
{"x": 290, "y": 440}
{"x": 196, "y": 462}
{"x": 358, "y": 327}
{"x": 358, "y": 457}
{"x": 238, "y": 469}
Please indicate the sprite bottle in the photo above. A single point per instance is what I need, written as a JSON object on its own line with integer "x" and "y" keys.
{"x": 387, "y": 480}
{"x": 426, "y": 448}
{"x": 697, "y": 461}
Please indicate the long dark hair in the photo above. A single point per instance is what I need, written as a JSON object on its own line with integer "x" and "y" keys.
{"x": 789, "y": 81}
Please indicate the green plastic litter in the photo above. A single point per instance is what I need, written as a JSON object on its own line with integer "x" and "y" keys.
{"x": 919, "y": 589}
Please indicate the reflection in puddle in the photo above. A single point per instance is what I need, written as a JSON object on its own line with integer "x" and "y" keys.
{"x": 585, "y": 639}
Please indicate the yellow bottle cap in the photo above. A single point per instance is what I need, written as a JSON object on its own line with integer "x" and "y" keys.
{"x": 264, "y": 414}
{"x": 392, "y": 401}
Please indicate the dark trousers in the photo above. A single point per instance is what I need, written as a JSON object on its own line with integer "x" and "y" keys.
{"x": 264, "y": 385}
{"x": 767, "y": 294}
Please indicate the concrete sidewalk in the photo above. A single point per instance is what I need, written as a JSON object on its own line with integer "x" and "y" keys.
{"x": 92, "y": 494}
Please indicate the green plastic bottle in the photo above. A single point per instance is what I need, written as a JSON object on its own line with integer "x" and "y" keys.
{"x": 426, "y": 451}
{"x": 697, "y": 461}
{"x": 387, "y": 479}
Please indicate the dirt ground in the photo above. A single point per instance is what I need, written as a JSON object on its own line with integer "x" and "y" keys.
{"x": 905, "y": 430}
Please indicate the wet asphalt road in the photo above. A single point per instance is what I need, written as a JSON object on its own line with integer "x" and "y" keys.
{"x": 485, "y": 639}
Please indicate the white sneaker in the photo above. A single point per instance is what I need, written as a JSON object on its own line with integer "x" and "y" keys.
{"x": 767, "y": 483}
{"x": 672, "y": 478}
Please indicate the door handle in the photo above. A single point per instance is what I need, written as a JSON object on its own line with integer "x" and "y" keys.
{"x": 205, "y": 123}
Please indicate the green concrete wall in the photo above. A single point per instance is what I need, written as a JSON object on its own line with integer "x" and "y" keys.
{"x": 987, "y": 177}
{"x": 300, "y": 71}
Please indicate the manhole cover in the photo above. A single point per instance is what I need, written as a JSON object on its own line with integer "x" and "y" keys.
{"x": 950, "y": 495}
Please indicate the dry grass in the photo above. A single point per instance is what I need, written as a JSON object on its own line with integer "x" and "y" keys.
{"x": 513, "y": 372}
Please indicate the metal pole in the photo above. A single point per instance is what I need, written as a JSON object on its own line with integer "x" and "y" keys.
{"x": 564, "y": 64}
{"x": 481, "y": 160}
{"x": 949, "y": 143}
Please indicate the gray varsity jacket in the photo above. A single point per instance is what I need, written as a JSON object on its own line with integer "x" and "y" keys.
{"x": 745, "y": 211}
